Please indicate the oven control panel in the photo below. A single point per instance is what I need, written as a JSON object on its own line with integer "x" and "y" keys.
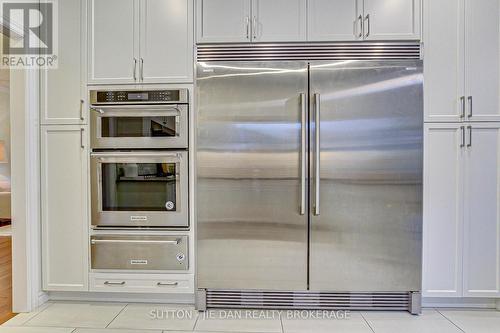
{"x": 138, "y": 96}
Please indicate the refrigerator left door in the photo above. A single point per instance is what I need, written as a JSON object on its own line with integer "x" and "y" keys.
{"x": 251, "y": 175}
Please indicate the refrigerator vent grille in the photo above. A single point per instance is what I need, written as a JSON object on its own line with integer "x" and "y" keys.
{"x": 315, "y": 51}
{"x": 307, "y": 300}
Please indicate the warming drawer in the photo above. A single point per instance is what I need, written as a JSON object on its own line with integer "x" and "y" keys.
{"x": 144, "y": 253}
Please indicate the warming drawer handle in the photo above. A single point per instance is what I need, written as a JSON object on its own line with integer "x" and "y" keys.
{"x": 108, "y": 283}
{"x": 134, "y": 241}
{"x": 167, "y": 284}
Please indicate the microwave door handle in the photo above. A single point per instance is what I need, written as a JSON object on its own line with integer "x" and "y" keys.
{"x": 100, "y": 111}
{"x": 138, "y": 106}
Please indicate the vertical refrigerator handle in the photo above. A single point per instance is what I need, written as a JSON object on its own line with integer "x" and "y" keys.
{"x": 303, "y": 139}
{"x": 317, "y": 102}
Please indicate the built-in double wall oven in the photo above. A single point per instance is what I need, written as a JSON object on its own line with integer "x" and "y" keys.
{"x": 139, "y": 160}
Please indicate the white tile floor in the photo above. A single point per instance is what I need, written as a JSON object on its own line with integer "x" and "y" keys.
{"x": 88, "y": 317}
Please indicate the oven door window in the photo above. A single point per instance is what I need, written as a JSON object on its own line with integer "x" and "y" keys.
{"x": 137, "y": 127}
{"x": 139, "y": 186}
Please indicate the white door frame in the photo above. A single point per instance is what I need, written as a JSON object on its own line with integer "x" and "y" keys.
{"x": 25, "y": 166}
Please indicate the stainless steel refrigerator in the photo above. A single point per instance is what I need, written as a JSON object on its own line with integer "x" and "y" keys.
{"x": 309, "y": 184}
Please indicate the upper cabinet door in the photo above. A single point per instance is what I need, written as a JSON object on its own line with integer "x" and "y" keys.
{"x": 444, "y": 148}
{"x": 482, "y": 59}
{"x": 278, "y": 20}
{"x": 166, "y": 51}
{"x": 482, "y": 219}
{"x": 333, "y": 20}
{"x": 391, "y": 19}
{"x": 62, "y": 89}
{"x": 444, "y": 95}
{"x": 113, "y": 41}
{"x": 223, "y": 21}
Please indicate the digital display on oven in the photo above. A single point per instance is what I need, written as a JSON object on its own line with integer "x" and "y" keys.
{"x": 138, "y": 96}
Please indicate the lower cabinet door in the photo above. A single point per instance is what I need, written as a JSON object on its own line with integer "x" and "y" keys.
{"x": 64, "y": 200}
{"x": 482, "y": 211}
{"x": 444, "y": 150}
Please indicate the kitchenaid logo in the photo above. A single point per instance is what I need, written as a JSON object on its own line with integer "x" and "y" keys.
{"x": 29, "y": 34}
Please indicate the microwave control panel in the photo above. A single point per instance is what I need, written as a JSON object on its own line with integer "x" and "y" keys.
{"x": 138, "y": 96}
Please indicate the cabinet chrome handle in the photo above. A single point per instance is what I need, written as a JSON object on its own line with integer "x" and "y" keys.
{"x": 135, "y": 69}
{"x": 303, "y": 144}
{"x": 469, "y": 128}
{"x": 367, "y": 19}
{"x": 171, "y": 284}
{"x": 462, "y": 104}
{"x": 108, "y": 283}
{"x": 358, "y": 28}
{"x": 247, "y": 23}
{"x": 470, "y": 106}
{"x": 142, "y": 69}
{"x": 462, "y": 136}
{"x": 82, "y": 145}
{"x": 317, "y": 108}
{"x": 82, "y": 102}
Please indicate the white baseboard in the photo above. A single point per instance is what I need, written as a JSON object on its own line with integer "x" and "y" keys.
{"x": 448, "y": 302}
{"x": 43, "y": 297}
{"x": 121, "y": 297}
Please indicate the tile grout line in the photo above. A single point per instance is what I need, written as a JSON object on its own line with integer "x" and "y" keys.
{"x": 112, "y": 320}
{"x": 38, "y": 313}
{"x": 196, "y": 321}
{"x": 281, "y": 323}
{"x": 366, "y": 321}
{"x": 448, "y": 319}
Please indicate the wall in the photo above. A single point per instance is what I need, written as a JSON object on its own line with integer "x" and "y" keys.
{"x": 5, "y": 137}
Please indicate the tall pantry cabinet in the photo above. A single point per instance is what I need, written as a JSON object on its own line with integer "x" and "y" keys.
{"x": 462, "y": 148}
{"x": 64, "y": 158}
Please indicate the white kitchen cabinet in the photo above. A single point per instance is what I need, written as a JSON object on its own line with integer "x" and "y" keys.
{"x": 223, "y": 21}
{"x": 444, "y": 53}
{"x": 482, "y": 211}
{"x": 391, "y": 19}
{"x": 443, "y": 210}
{"x": 64, "y": 198}
{"x": 113, "y": 41}
{"x": 251, "y": 20}
{"x": 166, "y": 37}
{"x": 482, "y": 64}
{"x": 327, "y": 20}
{"x": 461, "y": 210}
{"x": 140, "y": 41}
{"x": 62, "y": 90}
{"x": 462, "y": 60}
{"x": 334, "y": 20}
{"x": 278, "y": 20}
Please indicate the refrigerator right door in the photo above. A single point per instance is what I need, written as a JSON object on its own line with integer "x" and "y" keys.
{"x": 366, "y": 205}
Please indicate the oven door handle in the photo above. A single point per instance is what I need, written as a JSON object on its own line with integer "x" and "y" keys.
{"x": 104, "y": 155}
{"x": 102, "y": 108}
{"x": 134, "y": 241}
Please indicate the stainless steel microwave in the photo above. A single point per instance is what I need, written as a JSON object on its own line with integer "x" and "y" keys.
{"x": 139, "y": 119}
{"x": 139, "y": 189}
